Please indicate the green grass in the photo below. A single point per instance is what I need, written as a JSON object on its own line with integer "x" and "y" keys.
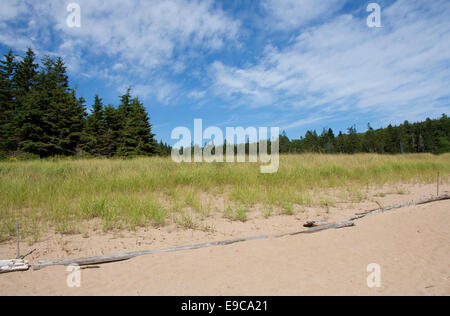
{"x": 127, "y": 194}
{"x": 238, "y": 214}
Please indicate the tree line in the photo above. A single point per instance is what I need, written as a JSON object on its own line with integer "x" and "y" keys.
{"x": 430, "y": 136}
{"x": 41, "y": 116}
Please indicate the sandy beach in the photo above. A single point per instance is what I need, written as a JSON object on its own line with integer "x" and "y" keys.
{"x": 410, "y": 245}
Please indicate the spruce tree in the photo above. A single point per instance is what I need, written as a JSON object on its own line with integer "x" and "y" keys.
{"x": 28, "y": 114}
{"x": 352, "y": 143}
{"x": 26, "y": 74}
{"x": 94, "y": 133}
{"x": 113, "y": 122}
{"x": 136, "y": 138}
{"x": 8, "y": 138}
{"x": 52, "y": 117}
{"x": 340, "y": 143}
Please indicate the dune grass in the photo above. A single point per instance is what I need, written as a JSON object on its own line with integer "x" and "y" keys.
{"x": 126, "y": 194}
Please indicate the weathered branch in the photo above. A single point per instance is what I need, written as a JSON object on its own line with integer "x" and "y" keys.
{"x": 325, "y": 227}
{"x": 13, "y": 265}
{"x": 126, "y": 256}
{"x": 385, "y": 209}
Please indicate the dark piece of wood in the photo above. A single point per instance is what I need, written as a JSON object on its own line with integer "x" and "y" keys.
{"x": 315, "y": 224}
{"x": 328, "y": 226}
{"x": 28, "y": 254}
{"x": 89, "y": 267}
{"x": 319, "y": 228}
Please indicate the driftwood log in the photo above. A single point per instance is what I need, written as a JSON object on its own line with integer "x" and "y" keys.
{"x": 126, "y": 256}
{"x": 385, "y": 209}
{"x": 14, "y": 265}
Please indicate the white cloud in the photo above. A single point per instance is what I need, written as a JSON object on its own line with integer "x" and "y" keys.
{"x": 144, "y": 34}
{"x": 10, "y": 9}
{"x": 196, "y": 94}
{"x": 306, "y": 121}
{"x": 291, "y": 14}
{"x": 343, "y": 66}
{"x": 164, "y": 91}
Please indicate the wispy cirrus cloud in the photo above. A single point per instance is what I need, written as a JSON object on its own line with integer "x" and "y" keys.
{"x": 292, "y": 14}
{"x": 402, "y": 69}
{"x": 140, "y": 34}
{"x": 139, "y": 43}
{"x": 10, "y": 10}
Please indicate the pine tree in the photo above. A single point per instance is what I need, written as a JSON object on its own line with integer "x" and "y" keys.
{"x": 8, "y": 139}
{"x": 284, "y": 144}
{"x": 26, "y": 74}
{"x": 370, "y": 140}
{"x": 28, "y": 106}
{"x": 340, "y": 143}
{"x": 52, "y": 117}
{"x": 113, "y": 122}
{"x": 94, "y": 134}
{"x": 136, "y": 137}
{"x": 352, "y": 144}
{"x": 328, "y": 141}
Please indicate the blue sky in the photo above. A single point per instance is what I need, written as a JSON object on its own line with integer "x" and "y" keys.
{"x": 293, "y": 64}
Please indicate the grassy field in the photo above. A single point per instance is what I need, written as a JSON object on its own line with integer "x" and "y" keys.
{"x": 69, "y": 196}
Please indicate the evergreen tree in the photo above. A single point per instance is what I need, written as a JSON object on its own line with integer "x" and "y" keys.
{"x": 8, "y": 139}
{"x": 51, "y": 117}
{"x": 340, "y": 143}
{"x": 284, "y": 144}
{"x": 113, "y": 122}
{"x": 327, "y": 141}
{"x": 370, "y": 140}
{"x": 165, "y": 150}
{"x": 136, "y": 137}
{"x": 94, "y": 134}
{"x": 26, "y": 74}
{"x": 352, "y": 143}
{"x": 311, "y": 141}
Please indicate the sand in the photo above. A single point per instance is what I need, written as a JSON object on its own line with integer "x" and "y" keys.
{"x": 410, "y": 245}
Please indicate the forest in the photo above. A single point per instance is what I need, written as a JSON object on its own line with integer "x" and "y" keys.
{"x": 430, "y": 136}
{"x": 41, "y": 116}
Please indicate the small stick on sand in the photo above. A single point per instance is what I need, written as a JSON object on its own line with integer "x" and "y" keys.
{"x": 28, "y": 254}
{"x": 315, "y": 223}
{"x": 89, "y": 267}
{"x": 438, "y": 180}
{"x": 18, "y": 239}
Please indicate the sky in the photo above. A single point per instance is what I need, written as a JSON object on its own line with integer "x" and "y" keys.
{"x": 295, "y": 64}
